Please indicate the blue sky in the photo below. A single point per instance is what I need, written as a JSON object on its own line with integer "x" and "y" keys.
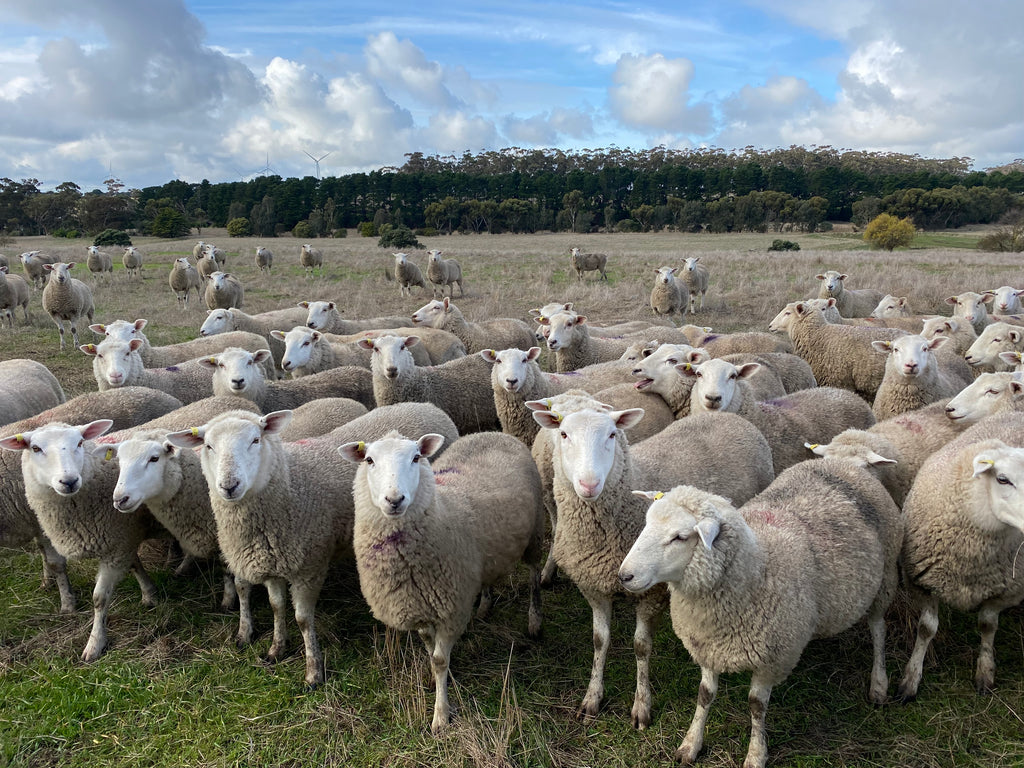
{"x": 153, "y": 90}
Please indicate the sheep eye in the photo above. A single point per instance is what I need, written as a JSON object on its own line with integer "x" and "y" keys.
{"x": 1003, "y": 480}
{"x": 564, "y": 436}
{"x": 369, "y": 461}
{"x": 992, "y": 392}
{"x": 416, "y": 459}
{"x": 80, "y": 443}
{"x": 36, "y": 449}
{"x": 207, "y": 446}
{"x": 684, "y": 537}
{"x": 671, "y": 361}
{"x": 305, "y": 343}
{"x": 154, "y": 459}
{"x": 255, "y": 441}
{"x": 732, "y": 376}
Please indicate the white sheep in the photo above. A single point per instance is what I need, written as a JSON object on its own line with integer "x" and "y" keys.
{"x": 588, "y": 262}
{"x": 407, "y": 275}
{"x": 14, "y": 293}
{"x": 989, "y": 394}
{"x": 32, "y": 263}
{"x": 1006, "y": 300}
{"x": 100, "y": 263}
{"x": 721, "y": 344}
{"x": 184, "y": 278}
{"x": 425, "y": 536}
{"x": 224, "y": 291}
{"x": 891, "y": 307}
{"x": 499, "y": 332}
{"x": 849, "y": 302}
{"x": 914, "y": 376}
{"x": 440, "y": 346}
{"x": 695, "y": 275}
{"x": 311, "y": 259}
{"x": 970, "y": 307}
{"x": 320, "y": 416}
{"x": 569, "y": 338}
{"x": 27, "y": 387}
{"x": 810, "y": 556}
{"x": 65, "y": 299}
{"x": 326, "y": 316}
{"x": 264, "y": 259}
{"x": 960, "y": 334}
{"x": 234, "y": 319}
{"x": 217, "y": 256}
{"x": 206, "y": 265}
{"x": 307, "y": 352}
{"x": 669, "y": 294}
{"x": 998, "y": 337}
{"x": 198, "y": 250}
{"x": 442, "y": 272}
{"x": 118, "y": 363}
{"x": 132, "y": 261}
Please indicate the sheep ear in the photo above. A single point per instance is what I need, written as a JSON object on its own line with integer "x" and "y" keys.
{"x": 1010, "y": 358}
{"x": 430, "y": 444}
{"x": 446, "y": 303}
{"x": 951, "y": 299}
{"x": 708, "y": 529}
{"x": 107, "y": 450}
{"x": 538, "y": 405}
{"x": 801, "y": 308}
{"x": 878, "y": 460}
{"x": 94, "y": 429}
{"x": 98, "y": 328}
{"x": 532, "y": 354}
{"x": 817, "y": 449}
{"x": 331, "y": 305}
{"x": 316, "y": 335}
{"x": 822, "y": 277}
{"x": 988, "y": 297}
{"x": 260, "y": 355}
{"x": 365, "y": 343}
{"x": 901, "y": 301}
{"x": 171, "y": 449}
{"x": 490, "y": 355}
{"x": 18, "y": 442}
{"x": 953, "y": 324}
{"x": 354, "y": 452}
{"x": 1016, "y": 387}
{"x": 649, "y": 495}
{"x": 1014, "y": 335}
{"x": 187, "y": 438}
{"x": 279, "y": 335}
{"x": 843, "y": 277}
{"x": 547, "y": 419}
{"x": 747, "y": 370}
{"x": 697, "y": 356}
{"x": 581, "y": 319}
{"x": 303, "y": 304}
{"x": 534, "y": 313}
{"x": 983, "y": 463}
{"x": 626, "y": 419}
{"x": 89, "y": 349}
{"x": 883, "y": 347}
{"x": 208, "y": 362}
{"x": 687, "y": 370}
{"x": 411, "y": 341}
{"x": 937, "y": 342}
{"x": 276, "y": 421}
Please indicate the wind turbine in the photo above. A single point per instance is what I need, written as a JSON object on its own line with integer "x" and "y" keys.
{"x": 265, "y": 169}
{"x": 316, "y": 161}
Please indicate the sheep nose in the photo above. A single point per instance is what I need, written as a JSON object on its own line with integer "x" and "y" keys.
{"x": 392, "y": 371}
{"x": 237, "y": 383}
{"x": 394, "y": 503}
{"x": 590, "y": 489}
{"x": 713, "y": 401}
{"x": 625, "y": 578}
{"x": 310, "y": 325}
{"x": 910, "y": 367}
{"x": 511, "y": 382}
{"x": 68, "y": 485}
{"x": 286, "y": 365}
{"x": 950, "y": 409}
{"x": 228, "y": 491}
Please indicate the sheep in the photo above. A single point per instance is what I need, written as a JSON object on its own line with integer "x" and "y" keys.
{"x": 695, "y": 276}
{"x": 218, "y": 256}
{"x": 500, "y": 332}
{"x": 574, "y": 347}
{"x": 461, "y": 388}
{"x": 808, "y": 416}
{"x": 669, "y": 295}
{"x": 325, "y": 316}
{"x": 99, "y": 262}
{"x": 234, "y": 319}
{"x": 970, "y": 307}
{"x": 960, "y": 334}
{"x": 65, "y": 299}
{"x": 850, "y": 303}
{"x": 1006, "y": 300}
{"x": 407, "y": 275}
{"x": 320, "y": 416}
{"x": 963, "y": 537}
{"x": 914, "y": 377}
{"x": 224, "y": 291}
{"x": 989, "y": 394}
{"x": 32, "y": 263}
{"x": 425, "y": 540}
{"x": 810, "y": 556}
{"x": 588, "y": 262}
{"x": 891, "y": 307}
{"x": 440, "y": 346}
{"x": 720, "y": 344}
{"x": 132, "y": 261}
{"x": 117, "y": 364}
{"x": 14, "y": 293}
{"x": 264, "y": 259}
{"x": 623, "y": 396}
{"x": 184, "y": 278}
{"x": 307, "y": 351}
{"x": 442, "y": 272}
{"x": 998, "y": 337}
{"x": 26, "y": 388}
{"x": 198, "y": 250}
{"x": 206, "y": 266}
{"x": 239, "y": 372}
{"x": 311, "y": 259}
{"x": 839, "y": 355}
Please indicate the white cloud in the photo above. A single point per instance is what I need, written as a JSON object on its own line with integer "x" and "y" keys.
{"x": 400, "y": 64}
{"x": 457, "y": 131}
{"x": 652, "y": 92}
{"x": 549, "y": 129}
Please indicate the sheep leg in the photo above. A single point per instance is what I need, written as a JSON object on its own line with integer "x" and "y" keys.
{"x": 879, "y": 677}
{"x": 277, "y": 591}
{"x": 55, "y": 568}
{"x": 245, "y": 631}
{"x": 304, "y": 597}
{"x": 227, "y": 601}
{"x": 647, "y": 612}
{"x": 760, "y": 692}
{"x": 985, "y": 671}
{"x": 107, "y": 577}
{"x": 536, "y": 615}
{"x": 486, "y": 602}
{"x": 60, "y": 329}
{"x": 145, "y": 583}
{"x": 927, "y": 626}
{"x": 439, "y": 661}
{"x": 547, "y": 575}
{"x": 601, "y": 607}
{"x": 693, "y": 742}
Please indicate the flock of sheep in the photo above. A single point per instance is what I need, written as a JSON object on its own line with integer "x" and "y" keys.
{"x": 764, "y": 488}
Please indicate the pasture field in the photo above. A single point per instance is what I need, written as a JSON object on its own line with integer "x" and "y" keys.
{"x": 172, "y": 688}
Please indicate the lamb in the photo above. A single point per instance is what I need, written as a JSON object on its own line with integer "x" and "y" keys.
{"x": 839, "y": 355}
{"x": 132, "y": 261}
{"x": 695, "y": 275}
{"x": 808, "y": 416}
{"x": 970, "y": 307}
{"x": 998, "y": 337}
{"x": 1006, "y": 300}
{"x": 234, "y": 319}
{"x": 820, "y": 546}
{"x": 65, "y": 299}
{"x": 182, "y": 279}
{"x": 264, "y": 259}
{"x": 891, "y": 307}
{"x": 574, "y": 347}
{"x": 26, "y": 388}
{"x": 588, "y": 262}
{"x": 325, "y": 316}
{"x": 425, "y": 539}
{"x": 669, "y": 295}
{"x": 100, "y": 263}
{"x": 914, "y": 377}
{"x": 963, "y": 537}
{"x": 442, "y": 272}
{"x": 311, "y": 259}
{"x": 239, "y": 372}
{"x": 961, "y": 335}
{"x": 407, "y": 275}
{"x": 32, "y": 263}
{"x": 14, "y": 293}
{"x": 461, "y": 388}
{"x": 989, "y": 394}
{"x": 849, "y": 302}
{"x": 500, "y": 332}
{"x": 118, "y": 364}
{"x": 224, "y": 291}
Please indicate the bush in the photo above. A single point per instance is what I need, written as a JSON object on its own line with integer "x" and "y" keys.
{"x": 627, "y": 225}
{"x": 368, "y": 229}
{"x": 784, "y": 245}
{"x": 170, "y": 222}
{"x": 239, "y": 227}
{"x": 303, "y": 231}
{"x": 399, "y": 236}
{"x": 888, "y": 232}
{"x": 68, "y": 233}
{"x": 341, "y": 232}
{"x": 112, "y": 237}
{"x": 426, "y": 232}
{"x": 1002, "y": 240}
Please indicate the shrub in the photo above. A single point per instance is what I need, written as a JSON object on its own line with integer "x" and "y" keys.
{"x": 303, "y": 231}
{"x": 399, "y": 236}
{"x": 341, "y": 232}
{"x": 239, "y": 227}
{"x": 888, "y": 232}
{"x": 68, "y": 233}
{"x": 627, "y": 225}
{"x": 427, "y": 232}
{"x": 784, "y": 245}
{"x": 170, "y": 222}
{"x": 1002, "y": 240}
{"x": 112, "y": 237}
{"x": 368, "y": 229}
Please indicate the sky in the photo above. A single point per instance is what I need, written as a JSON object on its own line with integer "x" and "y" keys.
{"x": 149, "y": 91}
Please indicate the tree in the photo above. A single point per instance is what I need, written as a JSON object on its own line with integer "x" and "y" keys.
{"x": 572, "y": 202}
{"x": 170, "y": 222}
{"x": 889, "y": 232}
{"x": 239, "y": 227}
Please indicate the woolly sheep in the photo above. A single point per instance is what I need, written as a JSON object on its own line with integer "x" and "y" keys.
{"x": 849, "y": 302}
{"x": 756, "y": 342}
{"x": 442, "y": 272}
{"x": 961, "y": 335}
{"x": 574, "y": 347}
{"x": 994, "y": 339}
{"x": 914, "y": 377}
{"x": 65, "y": 299}
{"x": 118, "y": 364}
{"x": 218, "y": 256}
{"x": 989, "y": 394}
{"x": 264, "y": 259}
{"x": 239, "y": 372}
{"x": 588, "y": 262}
{"x": 206, "y": 266}
{"x": 498, "y": 332}
{"x": 32, "y": 263}
{"x": 325, "y": 316}
{"x": 234, "y": 319}
{"x": 623, "y": 396}
{"x": 311, "y": 259}
{"x": 99, "y": 262}
{"x": 320, "y": 416}
{"x": 819, "y": 546}
{"x": 891, "y": 307}
{"x": 14, "y": 293}
{"x": 307, "y": 351}
{"x": 184, "y": 278}
{"x": 461, "y": 388}
{"x": 198, "y": 250}
{"x": 132, "y": 261}
{"x": 669, "y": 294}
{"x": 695, "y": 275}
{"x": 970, "y": 307}
{"x": 224, "y": 291}
{"x": 425, "y": 540}
{"x": 27, "y": 387}
{"x": 407, "y": 275}
{"x": 1006, "y": 300}
{"x": 440, "y": 346}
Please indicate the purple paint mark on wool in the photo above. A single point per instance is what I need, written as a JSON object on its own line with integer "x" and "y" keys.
{"x": 570, "y": 373}
{"x": 909, "y": 424}
{"x": 780, "y": 403}
{"x": 172, "y": 368}
{"x": 395, "y": 539}
{"x": 709, "y": 337}
{"x": 439, "y": 474}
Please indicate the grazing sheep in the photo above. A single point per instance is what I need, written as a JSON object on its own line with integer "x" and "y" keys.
{"x": 65, "y": 299}
{"x": 184, "y": 278}
{"x": 574, "y": 347}
{"x": 994, "y": 339}
{"x": 442, "y": 272}
{"x": 320, "y": 416}
{"x": 970, "y": 307}
{"x": 987, "y": 395}
{"x": 1006, "y": 300}
{"x": 914, "y": 377}
{"x": 26, "y": 388}
{"x": 100, "y": 263}
{"x": 961, "y": 335}
{"x": 311, "y": 259}
{"x": 695, "y": 276}
{"x": 500, "y": 332}
{"x": 118, "y": 363}
{"x": 239, "y": 372}
{"x": 810, "y": 556}
{"x": 224, "y": 291}
{"x": 425, "y": 540}
{"x": 264, "y": 259}
{"x": 669, "y": 294}
{"x": 325, "y": 316}
{"x": 808, "y": 416}
{"x": 461, "y": 388}
{"x": 850, "y": 303}
{"x": 891, "y": 307}
{"x": 14, "y": 293}
{"x": 132, "y": 261}
{"x": 234, "y": 319}
{"x": 588, "y": 262}
{"x": 407, "y": 275}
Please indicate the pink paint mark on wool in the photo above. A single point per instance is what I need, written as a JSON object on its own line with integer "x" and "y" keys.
{"x": 765, "y": 516}
{"x": 439, "y": 475}
{"x": 909, "y": 424}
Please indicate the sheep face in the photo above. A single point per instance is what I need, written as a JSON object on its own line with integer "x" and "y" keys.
{"x": 511, "y": 369}
{"x": 988, "y": 394}
{"x": 55, "y": 454}
{"x": 910, "y": 356}
{"x": 60, "y": 272}
{"x": 144, "y": 470}
{"x": 833, "y": 282}
{"x": 432, "y": 314}
{"x": 434, "y": 256}
{"x": 666, "y": 275}
{"x": 999, "y": 484}
{"x": 390, "y": 356}
{"x": 891, "y": 306}
{"x": 690, "y": 264}
{"x": 1006, "y": 300}
{"x": 299, "y": 343}
{"x": 996, "y": 338}
{"x": 318, "y": 314}
{"x": 934, "y": 327}
{"x": 121, "y": 330}
{"x": 238, "y": 371}
{"x": 716, "y": 385}
{"x": 656, "y": 371}
{"x": 783, "y": 321}
{"x": 392, "y": 468}
{"x": 114, "y": 360}
{"x": 217, "y": 321}
{"x": 970, "y": 307}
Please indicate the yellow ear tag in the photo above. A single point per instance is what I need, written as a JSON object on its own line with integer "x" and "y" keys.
{"x": 987, "y": 461}
{"x": 195, "y": 431}
{"x": 812, "y": 446}
{"x": 688, "y": 366}
{"x": 19, "y": 437}
{"x": 110, "y": 454}
{"x": 361, "y": 446}
{"x": 658, "y": 495}
{"x": 558, "y": 417}
{"x": 542, "y": 319}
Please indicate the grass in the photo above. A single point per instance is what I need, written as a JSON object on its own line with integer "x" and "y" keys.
{"x": 174, "y": 690}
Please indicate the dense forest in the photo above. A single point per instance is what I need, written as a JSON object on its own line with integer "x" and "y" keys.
{"x": 527, "y": 190}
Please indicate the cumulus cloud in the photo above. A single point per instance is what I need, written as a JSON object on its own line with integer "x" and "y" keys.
{"x": 400, "y": 64}
{"x": 458, "y": 131}
{"x": 548, "y": 129}
{"x": 652, "y": 92}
